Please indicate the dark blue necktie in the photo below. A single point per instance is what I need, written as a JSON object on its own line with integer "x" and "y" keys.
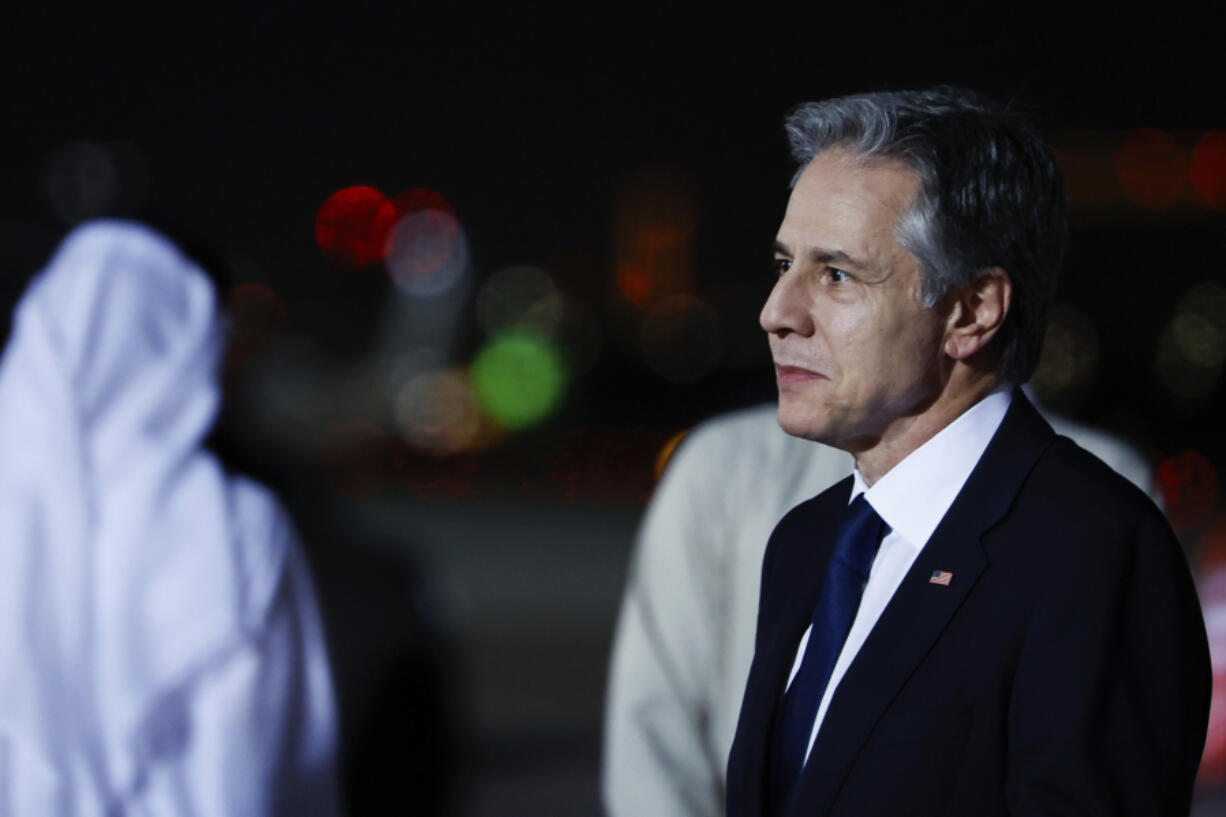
{"x": 859, "y": 536}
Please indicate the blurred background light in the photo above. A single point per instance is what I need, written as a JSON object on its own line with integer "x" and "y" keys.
{"x": 1212, "y": 770}
{"x": 410, "y": 364}
{"x": 257, "y": 315}
{"x": 1208, "y": 169}
{"x": 1211, "y": 554}
{"x": 1067, "y": 362}
{"x": 1089, "y": 163}
{"x": 520, "y": 297}
{"x": 656, "y": 214}
{"x": 526, "y": 297}
{"x": 352, "y": 227}
{"x": 1192, "y": 347}
{"x": 666, "y": 453}
{"x": 428, "y": 254}
{"x": 1189, "y": 486}
{"x": 420, "y": 198}
{"x": 437, "y": 412}
{"x": 1211, "y": 587}
{"x": 635, "y": 282}
{"x": 81, "y": 181}
{"x": 1200, "y": 340}
{"x": 681, "y": 338}
{"x": 518, "y": 379}
{"x": 1152, "y": 168}
{"x": 407, "y": 324}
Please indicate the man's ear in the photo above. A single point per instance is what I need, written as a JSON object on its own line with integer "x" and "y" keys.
{"x": 976, "y": 312}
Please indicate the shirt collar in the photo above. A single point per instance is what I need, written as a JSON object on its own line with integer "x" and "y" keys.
{"x": 915, "y": 494}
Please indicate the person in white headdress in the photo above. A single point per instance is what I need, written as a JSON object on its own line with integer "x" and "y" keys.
{"x": 161, "y": 650}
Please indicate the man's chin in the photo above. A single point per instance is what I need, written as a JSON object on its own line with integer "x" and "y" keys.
{"x": 799, "y": 423}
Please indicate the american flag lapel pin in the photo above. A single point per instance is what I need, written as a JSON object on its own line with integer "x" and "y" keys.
{"x": 941, "y": 577}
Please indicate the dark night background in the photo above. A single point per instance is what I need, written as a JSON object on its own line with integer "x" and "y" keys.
{"x": 556, "y": 133}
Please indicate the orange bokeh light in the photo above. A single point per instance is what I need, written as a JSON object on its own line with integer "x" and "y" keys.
{"x": 1209, "y": 168}
{"x": 634, "y": 283}
{"x": 656, "y": 215}
{"x": 1152, "y": 168}
{"x": 352, "y": 227}
{"x": 662, "y": 237}
{"x": 666, "y": 453}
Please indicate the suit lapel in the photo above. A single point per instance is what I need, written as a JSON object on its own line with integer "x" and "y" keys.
{"x": 798, "y": 554}
{"x": 919, "y": 611}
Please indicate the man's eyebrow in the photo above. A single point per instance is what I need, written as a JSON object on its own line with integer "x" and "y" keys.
{"x": 823, "y": 256}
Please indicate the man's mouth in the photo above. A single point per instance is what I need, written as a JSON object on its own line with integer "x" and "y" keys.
{"x": 790, "y": 375}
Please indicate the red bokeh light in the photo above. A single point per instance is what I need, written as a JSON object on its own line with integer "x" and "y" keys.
{"x": 1209, "y": 168}
{"x": 352, "y": 227}
{"x": 1189, "y": 488}
{"x": 419, "y": 198}
{"x": 1153, "y": 171}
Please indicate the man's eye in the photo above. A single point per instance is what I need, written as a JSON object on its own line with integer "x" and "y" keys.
{"x": 782, "y": 265}
{"x": 838, "y": 276}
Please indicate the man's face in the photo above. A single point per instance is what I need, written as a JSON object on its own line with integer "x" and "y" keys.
{"x": 855, "y": 354}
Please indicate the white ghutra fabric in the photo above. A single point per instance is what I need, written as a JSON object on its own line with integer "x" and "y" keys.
{"x": 161, "y": 651}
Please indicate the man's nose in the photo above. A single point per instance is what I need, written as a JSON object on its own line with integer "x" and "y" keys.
{"x": 787, "y": 307}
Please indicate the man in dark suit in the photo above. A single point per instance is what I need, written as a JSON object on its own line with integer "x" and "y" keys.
{"x": 984, "y": 619}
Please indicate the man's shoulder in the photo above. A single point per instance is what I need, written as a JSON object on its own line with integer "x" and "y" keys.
{"x": 1123, "y": 457}
{"x": 1074, "y": 478}
{"x": 1074, "y": 507}
{"x": 805, "y": 525}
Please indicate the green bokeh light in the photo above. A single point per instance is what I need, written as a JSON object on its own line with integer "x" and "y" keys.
{"x": 518, "y": 379}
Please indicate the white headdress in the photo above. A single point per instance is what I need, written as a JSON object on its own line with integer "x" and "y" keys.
{"x": 129, "y": 561}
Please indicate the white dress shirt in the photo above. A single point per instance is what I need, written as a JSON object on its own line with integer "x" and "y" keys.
{"x": 913, "y": 497}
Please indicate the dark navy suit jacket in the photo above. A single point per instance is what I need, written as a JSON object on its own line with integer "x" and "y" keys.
{"x": 1063, "y": 671}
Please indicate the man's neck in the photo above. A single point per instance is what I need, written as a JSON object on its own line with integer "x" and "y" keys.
{"x": 909, "y": 433}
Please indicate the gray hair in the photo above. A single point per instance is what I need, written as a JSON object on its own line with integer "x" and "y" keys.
{"x": 990, "y": 195}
